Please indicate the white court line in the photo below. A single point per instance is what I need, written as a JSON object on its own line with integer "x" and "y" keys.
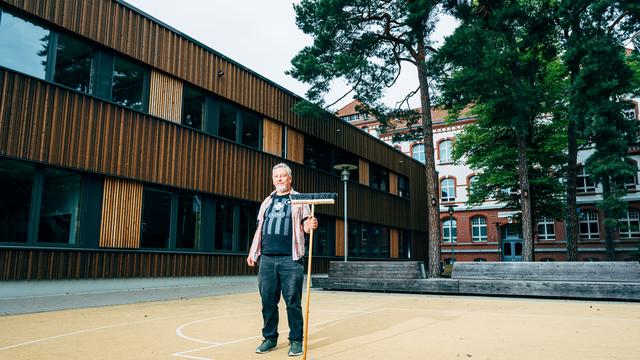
{"x": 101, "y": 328}
{"x": 186, "y": 337}
{"x": 182, "y": 353}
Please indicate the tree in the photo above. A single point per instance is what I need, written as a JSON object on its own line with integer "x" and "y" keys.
{"x": 592, "y": 34}
{"x": 498, "y": 62}
{"x": 367, "y": 43}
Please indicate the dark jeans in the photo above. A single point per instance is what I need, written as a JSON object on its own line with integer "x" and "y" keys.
{"x": 281, "y": 274}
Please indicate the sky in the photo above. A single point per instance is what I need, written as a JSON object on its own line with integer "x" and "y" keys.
{"x": 262, "y": 35}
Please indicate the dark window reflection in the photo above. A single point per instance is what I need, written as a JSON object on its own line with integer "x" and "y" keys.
{"x": 128, "y": 84}
{"x": 156, "y": 216}
{"x": 16, "y": 181}
{"x": 378, "y": 177}
{"x": 403, "y": 186}
{"x": 317, "y": 154}
{"x": 324, "y": 236}
{"x": 251, "y": 124}
{"x": 193, "y": 107}
{"x": 224, "y": 226}
{"x": 23, "y": 45}
{"x": 248, "y": 215}
{"x": 344, "y": 157}
{"x": 60, "y": 204}
{"x": 227, "y": 121}
{"x": 73, "y": 63}
{"x": 189, "y": 221}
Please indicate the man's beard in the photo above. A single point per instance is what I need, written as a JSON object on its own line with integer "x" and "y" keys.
{"x": 281, "y": 188}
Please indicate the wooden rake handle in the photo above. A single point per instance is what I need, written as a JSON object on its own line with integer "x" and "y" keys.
{"x": 306, "y": 316}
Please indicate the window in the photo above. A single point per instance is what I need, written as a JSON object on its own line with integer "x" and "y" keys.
{"x": 448, "y": 189}
{"x": 472, "y": 181}
{"x": 189, "y": 226}
{"x": 379, "y": 241}
{"x": 251, "y": 124}
{"x": 358, "y": 239}
{"x": 248, "y": 225}
{"x": 227, "y": 121}
{"x": 24, "y": 46}
{"x": 546, "y": 228}
{"x": 480, "y": 260}
{"x": 630, "y": 113}
{"x": 323, "y": 238}
{"x": 630, "y": 225}
{"x": 224, "y": 225}
{"x": 73, "y": 63}
{"x": 193, "y": 110}
{"x": 378, "y": 177}
{"x": 344, "y": 157}
{"x": 128, "y": 83}
{"x": 156, "y": 219}
{"x": 59, "y": 207}
{"x": 405, "y": 244}
{"x": 417, "y": 151}
{"x": 631, "y": 181}
{"x": 16, "y": 182}
{"x": 368, "y": 240}
{"x": 317, "y": 154}
{"x": 449, "y": 230}
{"x": 584, "y": 182}
{"x": 547, "y": 260}
{"x": 478, "y": 229}
{"x": 403, "y": 186}
{"x": 589, "y": 225}
{"x": 444, "y": 150}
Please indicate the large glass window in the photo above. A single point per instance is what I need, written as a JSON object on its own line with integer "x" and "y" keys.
{"x": 630, "y": 224}
{"x": 59, "y": 207}
{"x": 16, "y": 183}
{"x": 73, "y": 63}
{"x": 448, "y": 188}
{"x": 323, "y": 237}
{"x": 128, "y": 83}
{"x": 378, "y": 177}
{"x": 251, "y": 124}
{"x": 479, "y": 229}
{"x": 584, "y": 182}
{"x": 445, "y": 151}
{"x": 24, "y": 46}
{"x": 403, "y": 186}
{"x": 405, "y": 244}
{"x": 417, "y": 151}
{"x": 589, "y": 225}
{"x": 224, "y": 226}
{"x": 379, "y": 241}
{"x": 193, "y": 108}
{"x": 317, "y": 154}
{"x": 449, "y": 230}
{"x": 189, "y": 225}
{"x": 546, "y": 228}
{"x": 156, "y": 219}
{"x": 248, "y": 225}
{"x": 227, "y": 121}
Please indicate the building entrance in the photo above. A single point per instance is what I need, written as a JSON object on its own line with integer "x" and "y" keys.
{"x": 512, "y": 243}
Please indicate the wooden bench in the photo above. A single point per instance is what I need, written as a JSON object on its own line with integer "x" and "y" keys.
{"x": 582, "y": 280}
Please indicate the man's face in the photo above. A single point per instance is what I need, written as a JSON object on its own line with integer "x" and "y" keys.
{"x": 281, "y": 180}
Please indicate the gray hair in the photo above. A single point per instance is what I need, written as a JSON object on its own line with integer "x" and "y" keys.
{"x": 282, "y": 166}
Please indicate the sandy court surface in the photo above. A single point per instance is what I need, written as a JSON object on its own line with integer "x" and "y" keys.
{"x": 344, "y": 325}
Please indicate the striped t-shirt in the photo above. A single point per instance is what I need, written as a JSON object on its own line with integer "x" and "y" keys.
{"x": 276, "y": 228}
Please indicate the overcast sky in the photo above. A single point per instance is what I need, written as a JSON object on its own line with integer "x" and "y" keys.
{"x": 261, "y": 35}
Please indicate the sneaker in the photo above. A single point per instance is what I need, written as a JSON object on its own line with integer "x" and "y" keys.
{"x": 266, "y": 346}
{"x": 295, "y": 349}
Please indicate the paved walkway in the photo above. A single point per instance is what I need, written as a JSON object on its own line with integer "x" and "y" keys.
{"x": 344, "y": 325}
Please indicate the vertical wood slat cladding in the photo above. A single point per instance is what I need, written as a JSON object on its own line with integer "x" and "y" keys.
{"x": 121, "y": 214}
{"x": 45, "y": 264}
{"x": 119, "y": 27}
{"x": 48, "y": 124}
{"x": 393, "y": 183}
{"x": 295, "y": 146}
{"x": 339, "y": 238}
{"x": 394, "y": 245}
{"x": 363, "y": 171}
{"x": 272, "y": 137}
{"x": 165, "y": 97}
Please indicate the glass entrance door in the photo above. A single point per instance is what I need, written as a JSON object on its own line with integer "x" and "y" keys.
{"x": 512, "y": 243}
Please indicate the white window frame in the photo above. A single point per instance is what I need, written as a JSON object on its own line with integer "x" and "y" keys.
{"x": 418, "y": 155}
{"x": 547, "y": 225}
{"x": 632, "y": 217}
{"x": 445, "y": 151}
{"x": 451, "y": 195}
{"x": 589, "y": 217}
{"x": 454, "y": 230}
{"x": 584, "y": 182}
{"x": 477, "y": 224}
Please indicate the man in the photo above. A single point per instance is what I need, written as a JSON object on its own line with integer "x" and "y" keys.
{"x": 279, "y": 242}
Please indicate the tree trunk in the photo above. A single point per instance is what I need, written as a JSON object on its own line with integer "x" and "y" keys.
{"x": 433, "y": 211}
{"x": 572, "y": 224}
{"x": 525, "y": 200}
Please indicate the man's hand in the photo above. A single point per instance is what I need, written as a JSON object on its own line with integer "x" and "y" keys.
{"x": 310, "y": 223}
{"x": 250, "y": 261}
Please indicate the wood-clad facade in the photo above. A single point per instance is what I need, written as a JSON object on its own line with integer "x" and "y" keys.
{"x": 155, "y": 191}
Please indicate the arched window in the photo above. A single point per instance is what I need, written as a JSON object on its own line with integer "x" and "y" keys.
{"x": 449, "y": 230}
{"x": 480, "y": 260}
{"x": 478, "y": 228}
{"x": 444, "y": 150}
{"x": 630, "y": 224}
{"x": 589, "y": 228}
{"x": 417, "y": 151}
{"x": 448, "y": 188}
{"x": 546, "y": 229}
